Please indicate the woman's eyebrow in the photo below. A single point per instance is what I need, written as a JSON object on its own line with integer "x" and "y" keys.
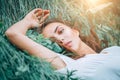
{"x": 56, "y": 28}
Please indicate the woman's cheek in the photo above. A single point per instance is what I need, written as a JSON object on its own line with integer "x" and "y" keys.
{"x": 68, "y": 33}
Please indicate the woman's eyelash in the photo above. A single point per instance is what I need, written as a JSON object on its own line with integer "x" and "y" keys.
{"x": 61, "y": 31}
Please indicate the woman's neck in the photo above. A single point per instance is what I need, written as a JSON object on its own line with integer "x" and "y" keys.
{"x": 84, "y": 49}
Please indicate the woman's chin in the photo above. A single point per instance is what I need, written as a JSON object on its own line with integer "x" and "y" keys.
{"x": 71, "y": 49}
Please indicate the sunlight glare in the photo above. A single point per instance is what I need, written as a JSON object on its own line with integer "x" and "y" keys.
{"x": 93, "y": 1}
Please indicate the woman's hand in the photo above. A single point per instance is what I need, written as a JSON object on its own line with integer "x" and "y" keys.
{"x": 36, "y": 17}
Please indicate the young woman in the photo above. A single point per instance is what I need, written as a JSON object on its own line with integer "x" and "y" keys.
{"x": 91, "y": 66}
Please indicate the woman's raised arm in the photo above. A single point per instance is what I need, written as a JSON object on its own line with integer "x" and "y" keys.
{"x": 17, "y": 35}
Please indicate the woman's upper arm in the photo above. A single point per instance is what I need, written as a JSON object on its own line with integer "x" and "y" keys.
{"x": 36, "y": 49}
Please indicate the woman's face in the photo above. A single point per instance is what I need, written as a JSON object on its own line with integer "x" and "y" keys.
{"x": 63, "y": 35}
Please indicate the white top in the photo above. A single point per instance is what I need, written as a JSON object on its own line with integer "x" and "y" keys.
{"x": 95, "y": 66}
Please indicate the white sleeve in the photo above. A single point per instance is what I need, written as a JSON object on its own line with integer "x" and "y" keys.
{"x": 69, "y": 64}
{"x": 112, "y": 50}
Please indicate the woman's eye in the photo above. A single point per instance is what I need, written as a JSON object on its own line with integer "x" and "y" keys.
{"x": 61, "y": 31}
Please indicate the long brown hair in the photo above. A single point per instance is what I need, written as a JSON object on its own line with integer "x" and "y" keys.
{"x": 92, "y": 40}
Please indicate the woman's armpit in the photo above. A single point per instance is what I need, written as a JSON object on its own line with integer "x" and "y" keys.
{"x": 58, "y": 63}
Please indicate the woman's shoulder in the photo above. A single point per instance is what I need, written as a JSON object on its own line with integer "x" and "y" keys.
{"x": 111, "y": 50}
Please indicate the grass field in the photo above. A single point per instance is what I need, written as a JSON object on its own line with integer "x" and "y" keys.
{"x": 102, "y": 15}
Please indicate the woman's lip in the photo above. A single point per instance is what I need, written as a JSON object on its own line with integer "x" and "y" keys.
{"x": 68, "y": 44}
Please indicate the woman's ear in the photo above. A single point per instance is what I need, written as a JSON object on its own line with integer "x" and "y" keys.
{"x": 76, "y": 31}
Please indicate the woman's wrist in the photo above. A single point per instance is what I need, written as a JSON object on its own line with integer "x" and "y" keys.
{"x": 27, "y": 23}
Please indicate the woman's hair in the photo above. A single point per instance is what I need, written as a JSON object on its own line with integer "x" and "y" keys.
{"x": 92, "y": 40}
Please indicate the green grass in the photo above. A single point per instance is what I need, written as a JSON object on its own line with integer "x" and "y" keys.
{"x": 16, "y": 64}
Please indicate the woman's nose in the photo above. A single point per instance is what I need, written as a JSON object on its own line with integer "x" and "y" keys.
{"x": 61, "y": 41}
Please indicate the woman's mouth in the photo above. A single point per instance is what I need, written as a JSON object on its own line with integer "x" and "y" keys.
{"x": 68, "y": 44}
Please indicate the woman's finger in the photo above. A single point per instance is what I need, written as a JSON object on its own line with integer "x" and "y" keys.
{"x": 46, "y": 11}
{"x": 46, "y": 16}
{"x": 39, "y": 13}
{"x": 43, "y": 18}
{"x": 43, "y": 14}
{"x": 36, "y": 10}
{"x": 39, "y": 18}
